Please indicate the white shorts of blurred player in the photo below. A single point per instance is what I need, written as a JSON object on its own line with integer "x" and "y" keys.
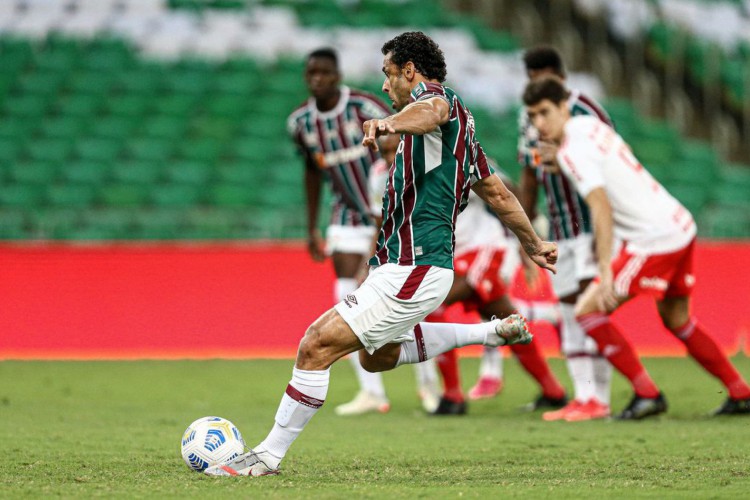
{"x": 349, "y": 239}
{"x": 392, "y": 300}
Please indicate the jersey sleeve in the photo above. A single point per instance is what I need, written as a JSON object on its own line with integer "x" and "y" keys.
{"x": 372, "y": 108}
{"x": 429, "y": 91}
{"x": 581, "y": 161}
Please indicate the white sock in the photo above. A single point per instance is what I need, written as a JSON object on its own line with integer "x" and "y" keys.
{"x": 581, "y": 369}
{"x": 492, "y": 363}
{"x": 602, "y": 379}
{"x": 431, "y": 339}
{"x": 369, "y": 382}
{"x": 304, "y": 395}
{"x": 426, "y": 374}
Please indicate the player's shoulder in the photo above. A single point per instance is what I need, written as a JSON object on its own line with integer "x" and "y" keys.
{"x": 583, "y": 123}
{"x": 367, "y": 100}
{"x": 301, "y": 110}
{"x": 583, "y": 104}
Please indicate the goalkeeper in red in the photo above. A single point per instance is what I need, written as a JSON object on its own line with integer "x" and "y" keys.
{"x": 438, "y": 161}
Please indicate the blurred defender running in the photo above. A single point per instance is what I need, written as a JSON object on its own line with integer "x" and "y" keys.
{"x": 656, "y": 258}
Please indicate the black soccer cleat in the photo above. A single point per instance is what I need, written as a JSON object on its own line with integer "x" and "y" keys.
{"x": 546, "y": 403}
{"x": 640, "y": 408}
{"x": 448, "y": 407}
{"x": 734, "y": 407}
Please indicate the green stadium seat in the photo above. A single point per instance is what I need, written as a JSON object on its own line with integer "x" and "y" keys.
{"x": 39, "y": 172}
{"x": 86, "y": 172}
{"x": 79, "y": 105}
{"x": 131, "y": 105}
{"x": 142, "y": 173}
{"x": 164, "y": 127}
{"x": 91, "y": 83}
{"x": 693, "y": 196}
{"x": 205, "y": 150}
{"x": 23, "y": 196}
{"x": 158, "y": 224}
{"x": 239, "y": 173}
{"x": 725, "y": 222}
{"x": 52, "y": 223}
{"x": 26, "y": 106}
{"x": 70, "y": 196}
{"x": 10, "y": 150}
{"x": 13, "y": 225}
{"x": 62, "y": 127}
{"x": 52, "y": 150}
{"x": 113, "y": 127}
{"x": 175, "y": 105}
{"x": 189, "y": 83}
{"x": 123, "y": 195}
{"x": 118, "y": 223}
{"x": 149, "y": 149}
{"x": 101, "y": 150}
{"x": 230, "y": 196}
{"x": 210, "y": 224}
{"x": 39, "y": 83}
{"x": 187, "y": 172}
{"x": 175, "y": 195}
{"x": 17, "y": 129}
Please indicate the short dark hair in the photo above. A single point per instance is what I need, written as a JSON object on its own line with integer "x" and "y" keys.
{"x": 548, "y": 87}
{"x": 326, "y": 53}
{"x": 544, "y": 57}
{"x": 421, "y": 50}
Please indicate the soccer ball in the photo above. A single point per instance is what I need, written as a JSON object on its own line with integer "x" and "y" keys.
{"x": 211, "y": 441}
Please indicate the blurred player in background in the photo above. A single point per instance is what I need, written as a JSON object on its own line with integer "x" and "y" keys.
{"x": 570, "y": 224}
{"x": 655, "y": 260}
{"x": 327, "y": 129}
{"x": 482, "y": 247}
{"x": 438, "y": 161}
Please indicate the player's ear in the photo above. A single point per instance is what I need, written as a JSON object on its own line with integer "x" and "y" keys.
{"x": 409, "y": 71}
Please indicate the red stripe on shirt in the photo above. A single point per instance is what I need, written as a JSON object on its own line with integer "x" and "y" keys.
{"x": 408, "y": 202}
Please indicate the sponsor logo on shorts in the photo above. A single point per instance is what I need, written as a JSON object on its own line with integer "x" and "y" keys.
{"x": 349, "y": 300}
{"x": 655, "y": 282}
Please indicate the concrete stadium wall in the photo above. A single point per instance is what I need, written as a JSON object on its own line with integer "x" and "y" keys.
{"x": 131, "y": 301}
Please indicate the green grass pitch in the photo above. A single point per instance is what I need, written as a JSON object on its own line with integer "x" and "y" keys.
{"x": 112, "y": 429}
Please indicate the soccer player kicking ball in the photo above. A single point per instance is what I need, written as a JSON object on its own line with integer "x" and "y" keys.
{"x": 437, "y": 161}
{"x": 657, "y": 255}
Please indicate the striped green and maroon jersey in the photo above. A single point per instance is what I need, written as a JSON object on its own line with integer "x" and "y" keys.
{"x": 428, "y": 186}
{"x": 332, "y": 140}
{"x": 568, "y": 214}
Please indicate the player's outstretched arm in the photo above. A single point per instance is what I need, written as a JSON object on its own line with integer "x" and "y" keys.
{"x": 492, "y": 190}
{"x": 418, "y": 118}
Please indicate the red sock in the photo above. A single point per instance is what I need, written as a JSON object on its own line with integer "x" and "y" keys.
{"x": 532, "y": 361}
{"x": 706, "y": 351}
{"x": 448, "y": 366}
{"x": 619, "y": 352}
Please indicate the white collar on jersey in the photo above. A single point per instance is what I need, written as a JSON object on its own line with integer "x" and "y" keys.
{"x": 337, "y": 109}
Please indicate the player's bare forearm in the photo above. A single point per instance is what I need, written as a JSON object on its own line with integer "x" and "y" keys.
{"x": 418, "y": 118}
{"x": 601, "y": 216}
{"x": 508, "y": 209}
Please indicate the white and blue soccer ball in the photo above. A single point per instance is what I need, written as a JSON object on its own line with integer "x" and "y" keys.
{"x": 211, "y": 441}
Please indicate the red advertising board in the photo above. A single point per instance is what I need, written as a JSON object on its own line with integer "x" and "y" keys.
{"x": 241, "y": 301}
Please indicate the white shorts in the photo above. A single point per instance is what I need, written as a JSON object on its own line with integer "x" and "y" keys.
{"x": 349, "y": 239}
{"x": 575, "y": 262}
{"x": 392, "y": 300}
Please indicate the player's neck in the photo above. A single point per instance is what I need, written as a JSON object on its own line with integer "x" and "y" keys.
{"x": 328, "y": 103}
{"x": 419, "y": 79}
